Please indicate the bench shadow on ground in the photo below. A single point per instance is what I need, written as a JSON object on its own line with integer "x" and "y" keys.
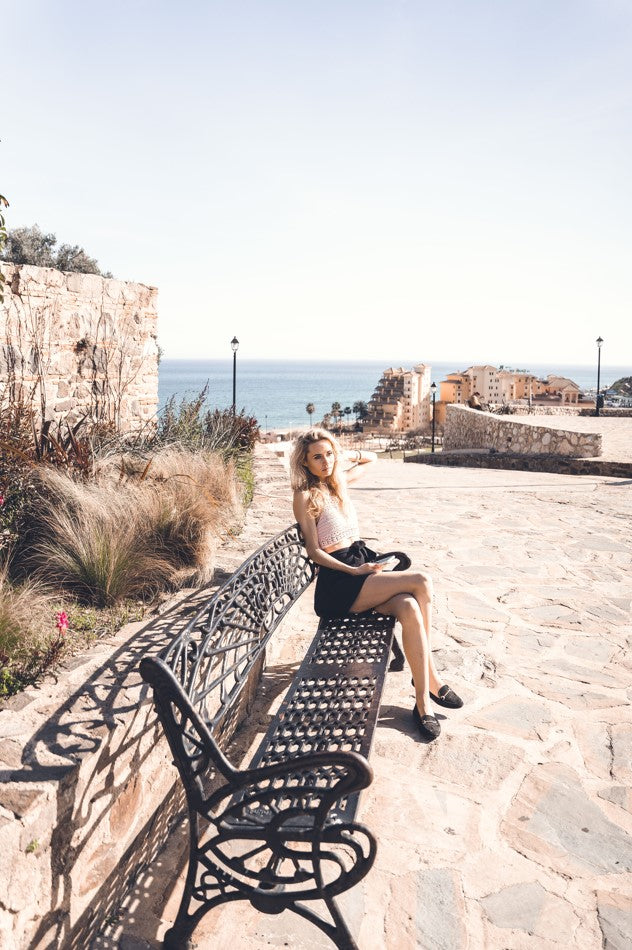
{"x": 85, "y": 724}
{"x": 155, "y": 881}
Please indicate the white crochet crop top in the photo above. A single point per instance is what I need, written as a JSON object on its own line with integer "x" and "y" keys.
{"x": 335, "y": 525}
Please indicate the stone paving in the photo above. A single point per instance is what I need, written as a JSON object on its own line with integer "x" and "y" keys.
{"x": 514, "y": 829}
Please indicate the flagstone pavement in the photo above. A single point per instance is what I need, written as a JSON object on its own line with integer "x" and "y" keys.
{"x": 514, "y": 829}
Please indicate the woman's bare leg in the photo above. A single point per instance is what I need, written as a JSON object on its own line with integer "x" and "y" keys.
{"x": 404, "y": 607}
{"x": 379, "y": 587}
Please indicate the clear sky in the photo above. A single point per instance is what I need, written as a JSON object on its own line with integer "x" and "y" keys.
{"x": 414, "y": 179}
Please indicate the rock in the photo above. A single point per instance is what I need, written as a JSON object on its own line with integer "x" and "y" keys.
{"x": 426, "y": 909}
{"x": 530, "y": 908}
{"x": 516, "y": 717}
{"x": 614, "y": 913}
{"x": 553, "y": 821}
{"x": 473, "y": 761}
{"x": 595, "y": 746}
{"x": 621, "y": 743}
{"x": 619, "y": 795}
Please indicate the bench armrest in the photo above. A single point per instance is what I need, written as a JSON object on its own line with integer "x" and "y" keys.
{"x": 309, "y": 785}
{"x": 352, "y": 771}
{"x": 285, "y": 826}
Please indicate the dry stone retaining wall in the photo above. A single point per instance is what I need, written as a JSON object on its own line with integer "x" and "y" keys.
{"x": 472, "y": 429}
{"x": 77, "y": 343}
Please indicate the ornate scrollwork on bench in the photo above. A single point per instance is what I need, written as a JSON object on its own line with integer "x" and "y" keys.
{"x": 215, "y": 652}
{"x": 282, "y": 831}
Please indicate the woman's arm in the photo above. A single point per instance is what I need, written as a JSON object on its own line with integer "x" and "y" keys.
{"x": 359, "y": 461}
{"x": 314, "y": 551}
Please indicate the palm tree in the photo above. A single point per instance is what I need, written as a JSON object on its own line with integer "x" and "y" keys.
{"x": 347, "y": 413}
{"x": 310, "y": 409}
{"x": 361, "y": 409}
{"x": 336, "y": 410}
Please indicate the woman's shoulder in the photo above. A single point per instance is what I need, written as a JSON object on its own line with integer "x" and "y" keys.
{"x": 301, "y": 498}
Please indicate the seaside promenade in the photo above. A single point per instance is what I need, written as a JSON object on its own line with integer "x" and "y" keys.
{"x": 514, "y": 829}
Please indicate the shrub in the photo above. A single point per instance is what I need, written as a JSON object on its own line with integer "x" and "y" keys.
{"x": 24, "y": 443}
{"x": 193, "y": 426}
{"x": 192, "y": 498}
{"x": 130, "y": 533}
{"x": 32, "y": 246}
{"x": 84, "y": 538}
{"x": 29, "y": 639}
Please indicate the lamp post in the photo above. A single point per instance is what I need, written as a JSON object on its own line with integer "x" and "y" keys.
{"x": 433, "y": 390}
{"x": 234, "y": 345}
{"x": 599, "y": 341}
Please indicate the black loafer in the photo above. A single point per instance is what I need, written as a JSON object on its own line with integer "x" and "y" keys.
{"x": 428, "y": 726}
{"x": 447, "y": 698}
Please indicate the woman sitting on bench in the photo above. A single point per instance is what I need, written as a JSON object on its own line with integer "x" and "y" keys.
{"x": 350, "y": 577}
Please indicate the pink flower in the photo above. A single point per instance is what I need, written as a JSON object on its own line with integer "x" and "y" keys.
{"x": 62, "y": 621}
{"x": 2, "y": 499}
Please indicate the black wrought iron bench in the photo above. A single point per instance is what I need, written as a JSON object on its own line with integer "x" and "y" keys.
{"x": 279, "y": 833}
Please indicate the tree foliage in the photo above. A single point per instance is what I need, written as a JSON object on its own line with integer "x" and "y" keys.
{"x": 623, "y": 386}
{"x": 33, "y": 246}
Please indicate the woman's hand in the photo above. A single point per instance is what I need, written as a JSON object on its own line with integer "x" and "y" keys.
{"x": 360, "y": 462}
{"x": 369, "y": 568}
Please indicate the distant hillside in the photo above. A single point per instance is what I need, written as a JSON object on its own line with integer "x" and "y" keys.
{"x": 623, "y": 386}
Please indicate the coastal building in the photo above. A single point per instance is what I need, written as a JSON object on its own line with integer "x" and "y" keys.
{"x": 559, "y": 388}
{"x": 485, "y": 381}
{"x": 401, "y": 401}
{"x": 516, "y": 384}
{"x": 456, "y": 388}
{"x": 503, "y": 386}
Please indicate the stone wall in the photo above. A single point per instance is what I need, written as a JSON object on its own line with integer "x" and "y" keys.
{"x": 77, "y": 343}
{"x": 88, "y": 792}
{"x": 543, "y": 410}
{"x": 558, "y": 464}
{"x": 471, "y": 429}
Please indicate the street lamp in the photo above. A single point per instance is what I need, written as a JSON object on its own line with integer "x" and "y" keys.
{"x": 599, "y": 341}
{"x": 433, "y": 390}
{"x": 234, "y": 345}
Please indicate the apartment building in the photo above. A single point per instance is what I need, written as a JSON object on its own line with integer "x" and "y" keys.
{"x": 516, "y": 384}
{"x": 401, "y": 401}
{"x": 485, "y": 381}
{"x": 456, "y": 388}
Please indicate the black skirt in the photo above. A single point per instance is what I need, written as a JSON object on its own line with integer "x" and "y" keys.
{"x": 336, "y": 591}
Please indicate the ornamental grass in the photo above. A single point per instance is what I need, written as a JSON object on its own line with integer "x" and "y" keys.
{"x": 31, "y": 635}
{"x": 143, "y": 525}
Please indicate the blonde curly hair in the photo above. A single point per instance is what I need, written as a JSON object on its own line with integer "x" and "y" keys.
{"x": 302, "y": 479}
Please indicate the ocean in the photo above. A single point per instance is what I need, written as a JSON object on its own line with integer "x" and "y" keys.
{"x": 277, "y": 391}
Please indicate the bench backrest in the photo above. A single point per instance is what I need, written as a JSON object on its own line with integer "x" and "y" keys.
{"x": 218, "y": 648}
